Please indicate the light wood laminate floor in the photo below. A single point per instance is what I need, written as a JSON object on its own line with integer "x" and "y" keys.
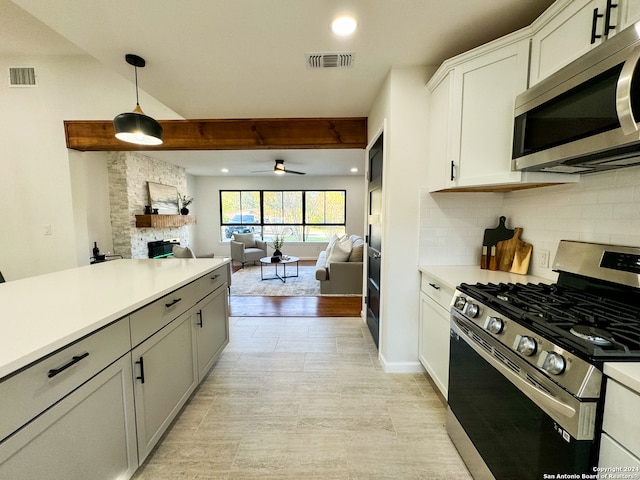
{"x": 306, "y": 398}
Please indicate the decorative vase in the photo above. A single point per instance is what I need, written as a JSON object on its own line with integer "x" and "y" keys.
{"x": 277, "y": 253}
{"x": 184, "y": 211}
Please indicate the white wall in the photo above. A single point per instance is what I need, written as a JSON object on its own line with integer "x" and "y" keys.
{"x": 38, "y": 187}
{"x": 91, "y": 208}
{"x": 401, "y": 109}
{"x": 206, "y": 236}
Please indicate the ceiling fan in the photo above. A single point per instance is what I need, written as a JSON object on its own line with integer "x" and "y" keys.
{"x": 279, "y": 169}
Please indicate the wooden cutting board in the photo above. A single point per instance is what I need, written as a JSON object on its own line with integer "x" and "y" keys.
{"x": 491, "y": 238}
{"x": 522, "y": 258}
{"x": 493, "y": 235}
{"x": 506, "y": 250}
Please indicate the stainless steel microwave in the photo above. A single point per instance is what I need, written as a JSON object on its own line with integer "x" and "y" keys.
{"x": 583, "y": 118}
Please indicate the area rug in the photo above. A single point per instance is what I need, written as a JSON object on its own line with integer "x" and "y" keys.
{"x": 246, "y": 281}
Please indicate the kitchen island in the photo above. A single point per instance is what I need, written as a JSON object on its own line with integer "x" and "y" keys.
{"x": 95, "y": 362}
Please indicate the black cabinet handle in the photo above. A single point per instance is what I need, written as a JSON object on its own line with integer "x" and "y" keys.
{"x": 607, "y": 18}
{"x": 75, "y": 359}
{"x": 594, "y": 25}
{"x": 437, "y": 287}
{"x": 215, "y": 277}
{"x": 141, "y": 363}
{"x": 175, "y": 300}
{"x": 453, "y": 166}
{"x": 199, "y": 322}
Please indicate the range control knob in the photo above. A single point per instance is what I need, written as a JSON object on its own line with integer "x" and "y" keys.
{"x": 527, "y": 346}
{"x": 554, "y": 363}
{"x": 473, "y": 310}
{"x": 460, "y": 303}
{"x": 494, "y": 325}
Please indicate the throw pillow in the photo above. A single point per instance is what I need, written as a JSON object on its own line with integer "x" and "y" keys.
{"x": 357, "y": 252}
{"x": 334, "y": 238}
{"x": 340, "y": 251}
{"x": 248, "y": 239}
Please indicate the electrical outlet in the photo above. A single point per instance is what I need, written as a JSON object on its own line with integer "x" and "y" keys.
{"x": 47, "y": 229}
{"x": 543, "y": 258}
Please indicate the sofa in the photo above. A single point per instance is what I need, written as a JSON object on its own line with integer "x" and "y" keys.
{"x": 339, "y": 266}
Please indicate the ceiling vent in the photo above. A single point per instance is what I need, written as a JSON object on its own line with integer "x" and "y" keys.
{"x": 22, "y": 76}
{"x": 330, "y": 60}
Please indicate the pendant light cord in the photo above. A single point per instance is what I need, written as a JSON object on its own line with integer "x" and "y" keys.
{"x": 135, "y": 69}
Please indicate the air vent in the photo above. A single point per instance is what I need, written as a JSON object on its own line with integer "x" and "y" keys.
{"x": 22, "y": 76}
{"x": 330, "y": 60}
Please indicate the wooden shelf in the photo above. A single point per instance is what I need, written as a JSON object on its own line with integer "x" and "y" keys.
{"x": 164, "y": 221}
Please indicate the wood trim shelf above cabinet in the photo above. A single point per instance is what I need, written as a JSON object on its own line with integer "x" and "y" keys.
{"x": 164, "y": 221}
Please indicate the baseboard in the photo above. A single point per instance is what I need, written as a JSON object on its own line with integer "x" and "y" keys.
{"x": 400, "y": 367}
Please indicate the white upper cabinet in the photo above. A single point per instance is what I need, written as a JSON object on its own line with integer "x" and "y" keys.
{"x": 570, "y": 28}
{"x": 472, "y": 99}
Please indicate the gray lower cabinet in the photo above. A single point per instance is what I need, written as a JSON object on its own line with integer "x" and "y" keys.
{"x": 89, "y": 434}
{"x": 96, "y": 408}
{"x": 165, "y": 376}
{"x": 212, "y": 329}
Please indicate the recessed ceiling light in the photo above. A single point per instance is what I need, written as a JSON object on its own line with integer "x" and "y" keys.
{"x": 344, "y": 26}
{"x": 224, "y": 170}
{"x": 354, "y": 169}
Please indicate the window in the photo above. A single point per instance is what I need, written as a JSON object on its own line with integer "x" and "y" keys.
{"x": 298, "y": 215}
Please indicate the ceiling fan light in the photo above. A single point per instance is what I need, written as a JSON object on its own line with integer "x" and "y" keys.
{"x": 137, "y": 128}
{"x": 279, "y": 167}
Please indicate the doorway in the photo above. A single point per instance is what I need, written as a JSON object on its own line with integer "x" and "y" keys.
{"x": 374, "y": 238}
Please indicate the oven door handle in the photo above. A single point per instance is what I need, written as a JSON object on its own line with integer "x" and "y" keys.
{"x": 624, "y": 110}
{"x": 543, "y": 399}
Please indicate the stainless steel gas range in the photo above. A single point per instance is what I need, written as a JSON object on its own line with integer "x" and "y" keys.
{"x": 525, "y": 377}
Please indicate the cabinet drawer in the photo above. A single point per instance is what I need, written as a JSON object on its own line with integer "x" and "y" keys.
{"x": 151, "y": 318}
{"x": 210, "y": 282}
{"x": 621, "y": 419}
{"x": 613, "y": 455}
{"x": 35, "y": 389}
{"x": 439, "y": 291}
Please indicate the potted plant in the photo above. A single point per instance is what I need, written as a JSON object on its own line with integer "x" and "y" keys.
{"x": 185, "y": 200}
{"x": 278, "y": 242}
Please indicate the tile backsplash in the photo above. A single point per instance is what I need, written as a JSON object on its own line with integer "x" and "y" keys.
{"x": 602, "y": 207}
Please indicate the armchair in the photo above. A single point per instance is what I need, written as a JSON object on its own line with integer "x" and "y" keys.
{"x": 245, "y": 247}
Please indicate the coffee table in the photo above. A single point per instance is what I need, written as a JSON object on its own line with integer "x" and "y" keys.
{"x": 267, "y": 261}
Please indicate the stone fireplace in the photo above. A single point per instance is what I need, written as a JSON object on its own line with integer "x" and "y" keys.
{"x": 129, "y": 173}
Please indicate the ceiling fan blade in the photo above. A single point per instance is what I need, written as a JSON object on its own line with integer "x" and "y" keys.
{"x": 293, "y": 171}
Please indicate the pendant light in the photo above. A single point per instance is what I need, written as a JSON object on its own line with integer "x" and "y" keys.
{"x": 136, "y": 127}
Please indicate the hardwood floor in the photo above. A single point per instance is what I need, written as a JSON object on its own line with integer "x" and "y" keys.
{"x": 248, "y": 306}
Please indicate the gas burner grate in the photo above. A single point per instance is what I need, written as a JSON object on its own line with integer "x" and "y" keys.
{"x": 552, "y": 310}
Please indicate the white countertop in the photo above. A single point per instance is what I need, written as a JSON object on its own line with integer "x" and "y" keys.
{"x": 454, "y": 275}
{"x": 41, "y": 314}
{"x": 626, "y": 373}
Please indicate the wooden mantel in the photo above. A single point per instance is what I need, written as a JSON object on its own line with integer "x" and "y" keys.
{"x": 164, "y": 221}
{"x": 229, "y": 134}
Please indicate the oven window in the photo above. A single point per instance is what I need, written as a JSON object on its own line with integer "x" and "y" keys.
{"x": 515, "y": 438}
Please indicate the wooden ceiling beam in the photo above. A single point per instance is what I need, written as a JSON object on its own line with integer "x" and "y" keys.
{"x": 231, "y": 134}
